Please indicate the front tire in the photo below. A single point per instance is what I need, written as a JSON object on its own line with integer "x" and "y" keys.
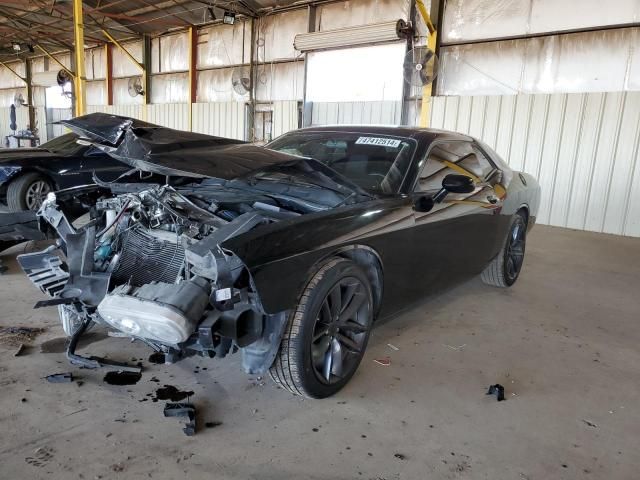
{"x": 503, "y": 271}
{"x": 27, "y": 192}
{"x": 327, "y": 333}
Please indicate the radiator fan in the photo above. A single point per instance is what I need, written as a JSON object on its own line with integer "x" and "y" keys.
{"x": 134, "y": 86}
{"x": 241, "y": 80}
{"x": 420, "y": 66}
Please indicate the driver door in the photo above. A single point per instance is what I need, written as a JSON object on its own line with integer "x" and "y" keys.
{"x": 460, "y": 233}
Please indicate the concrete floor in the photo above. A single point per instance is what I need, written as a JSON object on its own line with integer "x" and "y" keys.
{"x": 564, "y": 342}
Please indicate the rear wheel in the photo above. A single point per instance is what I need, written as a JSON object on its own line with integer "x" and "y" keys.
{"x": 327, "y": 333}
{"x": 27, "y": 192}
{"x": 503, "y": 271}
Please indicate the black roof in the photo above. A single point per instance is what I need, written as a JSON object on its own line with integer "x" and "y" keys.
{"x": 428, "y": 134}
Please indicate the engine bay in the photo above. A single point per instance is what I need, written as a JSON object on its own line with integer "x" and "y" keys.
{"x": 150, "y": 265}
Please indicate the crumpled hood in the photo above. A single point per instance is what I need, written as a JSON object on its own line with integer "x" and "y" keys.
{"x": 166, "y": 151}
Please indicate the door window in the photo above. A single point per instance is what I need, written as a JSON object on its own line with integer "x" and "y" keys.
{"x": 454, "y": 157}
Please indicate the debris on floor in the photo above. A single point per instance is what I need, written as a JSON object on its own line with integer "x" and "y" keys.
{"x": 66, "y": 377}
{"x": 14, "y": 336}
{"x": 392, "y": 347}
{"x": 385, "y": 362}
{"x": 19, "y": 351}
{"x": 119, "y": 377}
{"x": 169, "y": 392}
{"x": 183, "y": 410}
{"x": 457, "y": 349}
{"x": 591, "y": 424}
{"x": 212, "y": 424}
{"x": 157, "y": 358}
{"x": 497, "y": 390}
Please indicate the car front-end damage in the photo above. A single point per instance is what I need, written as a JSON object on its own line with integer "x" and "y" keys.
{"x": 151, "y": 265}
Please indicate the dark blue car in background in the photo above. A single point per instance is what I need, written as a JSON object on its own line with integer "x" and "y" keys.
{"x": 27, "y": 175}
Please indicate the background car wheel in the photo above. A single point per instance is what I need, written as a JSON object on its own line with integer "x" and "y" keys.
{"x": 503, "y": 270}
{"x": 327, "y": 333}
{"x": 27, "y": 192}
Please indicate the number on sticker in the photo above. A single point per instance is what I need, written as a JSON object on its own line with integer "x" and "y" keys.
{"x": 377, "y": 141}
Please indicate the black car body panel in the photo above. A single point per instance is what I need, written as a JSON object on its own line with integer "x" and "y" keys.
{"x": 64, "y": 170}
{"x": 243, "y": 235}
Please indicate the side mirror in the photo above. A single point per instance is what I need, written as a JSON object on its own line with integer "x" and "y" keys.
{"x": 423, "y": 203}
{"x": 455, "y": 183}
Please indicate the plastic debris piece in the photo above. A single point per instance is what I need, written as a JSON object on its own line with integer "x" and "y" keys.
{"x": 392, "y": 347}
{"x": 591, "y": 424}
{"x": 458, "y": 348}
{"x": 60, "y": 378}
{"x": 497, "y": 390}
{"x": 385, "y": 362}
{"x": 183, "y": 410}
{"x": 19, "y": 351}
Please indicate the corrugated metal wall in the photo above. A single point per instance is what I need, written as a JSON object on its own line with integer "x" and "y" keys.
{"x": 285, "y": 117}
{"x": 223, "y": 119}
{"x": 583, "y": 148}
{"x": 345, "y": 113}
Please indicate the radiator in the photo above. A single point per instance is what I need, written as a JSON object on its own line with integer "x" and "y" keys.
{"x": 147, "y": 256}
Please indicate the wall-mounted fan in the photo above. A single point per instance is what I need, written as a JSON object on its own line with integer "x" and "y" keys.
{"x": 64, "y": 79}
{"x": 134, "y": 86}
{"x": 241, "y": 80}
{"x": 19, "y": 101}
{"x": 420, "y": 66}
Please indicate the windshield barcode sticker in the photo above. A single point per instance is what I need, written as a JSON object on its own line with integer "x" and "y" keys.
{"x": 380, "y": 142}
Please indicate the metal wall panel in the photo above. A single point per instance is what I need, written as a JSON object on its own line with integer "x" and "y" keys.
{"x": 350, "y": 113}
{"x": 583, "y": 148}
{"x": 285, "y": 117}
{"x": 223, "y": 119}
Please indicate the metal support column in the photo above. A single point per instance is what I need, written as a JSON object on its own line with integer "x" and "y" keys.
{"x": 307, "y": 107}
{"x": 29, "y": 80}
{"x": 146, "y": 70}
{"x": 432, "y": 44}
{"x": 80, "y": 78}
{"x": 108, "y": 77}
{"x": 251, "y": 115}
{"x": 193, "y": 78}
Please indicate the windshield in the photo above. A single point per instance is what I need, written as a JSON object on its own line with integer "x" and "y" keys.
{"x": 377, "y": 163}
{"x": 63, "y": 145}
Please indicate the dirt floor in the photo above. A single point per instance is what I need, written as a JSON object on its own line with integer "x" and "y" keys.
{"x": 563, "y": 342}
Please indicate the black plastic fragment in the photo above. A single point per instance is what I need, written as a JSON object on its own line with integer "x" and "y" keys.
{"x": 54, "y": 302}
{"x": 497, "y": 390}
{"x": 183, "y": 410}
{"x": 60, "y": 378}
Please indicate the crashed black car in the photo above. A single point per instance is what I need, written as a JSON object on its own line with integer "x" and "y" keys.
{"x": 286, "y": 254}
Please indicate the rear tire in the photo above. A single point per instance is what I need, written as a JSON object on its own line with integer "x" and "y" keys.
{"x": 27, "y": 192}
{"x": 327, "y": 333}
{"x": 503, "y": 271}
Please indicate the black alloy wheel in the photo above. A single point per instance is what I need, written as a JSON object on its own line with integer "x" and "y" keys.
{"x": 504, "y": 269}
{"x": 327, "y": 333}
{"x": 514, "y": 254}
{"x": 339, "y": 333}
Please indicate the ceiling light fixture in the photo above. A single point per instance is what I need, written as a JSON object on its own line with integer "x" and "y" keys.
{"x": 229, "y": 18}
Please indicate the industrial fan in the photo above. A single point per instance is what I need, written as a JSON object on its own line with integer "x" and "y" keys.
{"x": 241, "y": 80}
{"x": 134, "y": 86}
{"x": 420, "y": 66}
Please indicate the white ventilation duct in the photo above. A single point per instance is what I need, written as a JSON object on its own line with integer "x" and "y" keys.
{"x": 351, "y": 36}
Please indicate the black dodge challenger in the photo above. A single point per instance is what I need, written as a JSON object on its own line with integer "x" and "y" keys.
{"x": 287, "y": 253}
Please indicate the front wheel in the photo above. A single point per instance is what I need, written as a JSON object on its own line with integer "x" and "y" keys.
{"x": 327, "y": 333}
{"x": 503, "y": 271}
